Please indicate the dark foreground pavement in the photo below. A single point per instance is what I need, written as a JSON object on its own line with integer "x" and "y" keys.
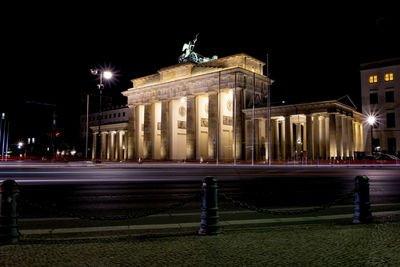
{"x": 332, "y": 243}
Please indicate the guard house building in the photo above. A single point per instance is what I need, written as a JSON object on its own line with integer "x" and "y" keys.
{"x": 113, "y": 137}
{"x": 205, "y": 110}
{"x": 318, "y": 130}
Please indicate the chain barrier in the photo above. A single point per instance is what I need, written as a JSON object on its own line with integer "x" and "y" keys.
{"x": 131, "y": 214}
{"x": 285, "y": 212}
{"x": 197, "y": 196}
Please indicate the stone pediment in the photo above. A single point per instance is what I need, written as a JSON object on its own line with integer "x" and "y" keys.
{"x": 346, "y": 100}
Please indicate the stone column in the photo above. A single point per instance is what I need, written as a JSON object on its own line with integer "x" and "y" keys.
{"x": 121, "y": 145}
{"x": 356, "y": 136}
{"x": 115, "y": 147}
{"x": 309, "y": 136}
{"x": 125, "y": 144}
{"x": 165, "y": 130}
{"x": 332, "y": 136}
{"x": 103, "y": 145}
{"x": 277, "y": 139}
{"x": 339, "y": 143}
{"x": 316, "y": 137}
{"x": 257, "y": 142}
{"x": 361, "y": 138}
{"x": 94, "y": 143}
{"x": 350, "y": 136}
{"x": 248, "y": 139}
{"x": 118, "y": 147}
{"x": 322, "y": 136}
{"x": 131, "y": 137}
{"x": 274, "y": 137}
{"x": 111, "y": 148}
{"x": 326, "y": 137}
{"x": 238, "y": 127}
{"x": 288, "y": 140}
{"x": 282, "y": 140}
{"x": 190, "y": 127}
{"x": 345, "y": 137}
{"x": 148, "y": 127}
{"x": 298, "y": 137}
{"x": 212, "y": 124}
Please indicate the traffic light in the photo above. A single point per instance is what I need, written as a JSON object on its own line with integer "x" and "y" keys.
{"x": 57, "y": 134}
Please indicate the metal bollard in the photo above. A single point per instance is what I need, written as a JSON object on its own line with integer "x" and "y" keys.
{"x": 9, "y": 194}
{"x": 362, "y": 209}
{"x": 209, "y": 212}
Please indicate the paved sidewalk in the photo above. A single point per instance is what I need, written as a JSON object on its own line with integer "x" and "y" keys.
{"x": 178, "y": 226}
{"x": 323, "y": 244}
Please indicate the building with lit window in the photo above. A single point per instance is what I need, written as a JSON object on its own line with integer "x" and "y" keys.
{"x": 216, "y": 110}
{"x": 380, "y": 97}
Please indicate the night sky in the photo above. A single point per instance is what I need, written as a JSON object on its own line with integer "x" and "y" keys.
{"x": 47, "y": 51}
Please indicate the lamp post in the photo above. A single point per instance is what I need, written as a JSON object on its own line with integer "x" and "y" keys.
{"x": 371, "y": 121}
{"x": 106, "y": 75}
{"x": 20, "y": 146}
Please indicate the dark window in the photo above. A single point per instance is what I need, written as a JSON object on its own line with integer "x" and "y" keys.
{"x": 123, "y": 114}
{"x": 391, "y": 145}
{"x": 389, "y": 96}
{"x": 373, "y": 98}
{"x": 376, "y": 142}
{"x": 390, "y": 122}
{"x": 119, "y": 115}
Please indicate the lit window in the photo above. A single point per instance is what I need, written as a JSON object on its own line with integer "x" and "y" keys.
{"x": 388, "y": 77}
{"x": 373, "y": 79}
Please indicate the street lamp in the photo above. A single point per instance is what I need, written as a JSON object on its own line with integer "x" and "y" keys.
{"x": 106, "y": 75}
{"x": 20, "y": 145}
{"x": 21, "y": 149}
{"x": 371, "y": 120}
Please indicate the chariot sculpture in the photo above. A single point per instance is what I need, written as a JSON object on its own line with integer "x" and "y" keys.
{"x": 190, "y": 56}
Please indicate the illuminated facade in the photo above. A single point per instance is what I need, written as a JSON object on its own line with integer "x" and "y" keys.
{"x": 193, "y": 111}
{"x": 380, "y": 97}
{"x": 319, "y": 130}
{"x": 189, "y": 111}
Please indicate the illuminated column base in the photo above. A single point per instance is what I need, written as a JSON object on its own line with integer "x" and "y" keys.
{"x": 94, "y": 147}
{"x": 165, "y": 130}
{"x": 190, "y": 128}
{"x": 212, "y": 125}
{"x": 131, "y": 135}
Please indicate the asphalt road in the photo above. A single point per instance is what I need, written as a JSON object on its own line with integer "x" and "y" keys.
{"x": 109, "y": 190}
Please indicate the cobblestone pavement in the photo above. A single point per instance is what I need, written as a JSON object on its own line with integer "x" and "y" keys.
{"x": 292, "y": 245}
